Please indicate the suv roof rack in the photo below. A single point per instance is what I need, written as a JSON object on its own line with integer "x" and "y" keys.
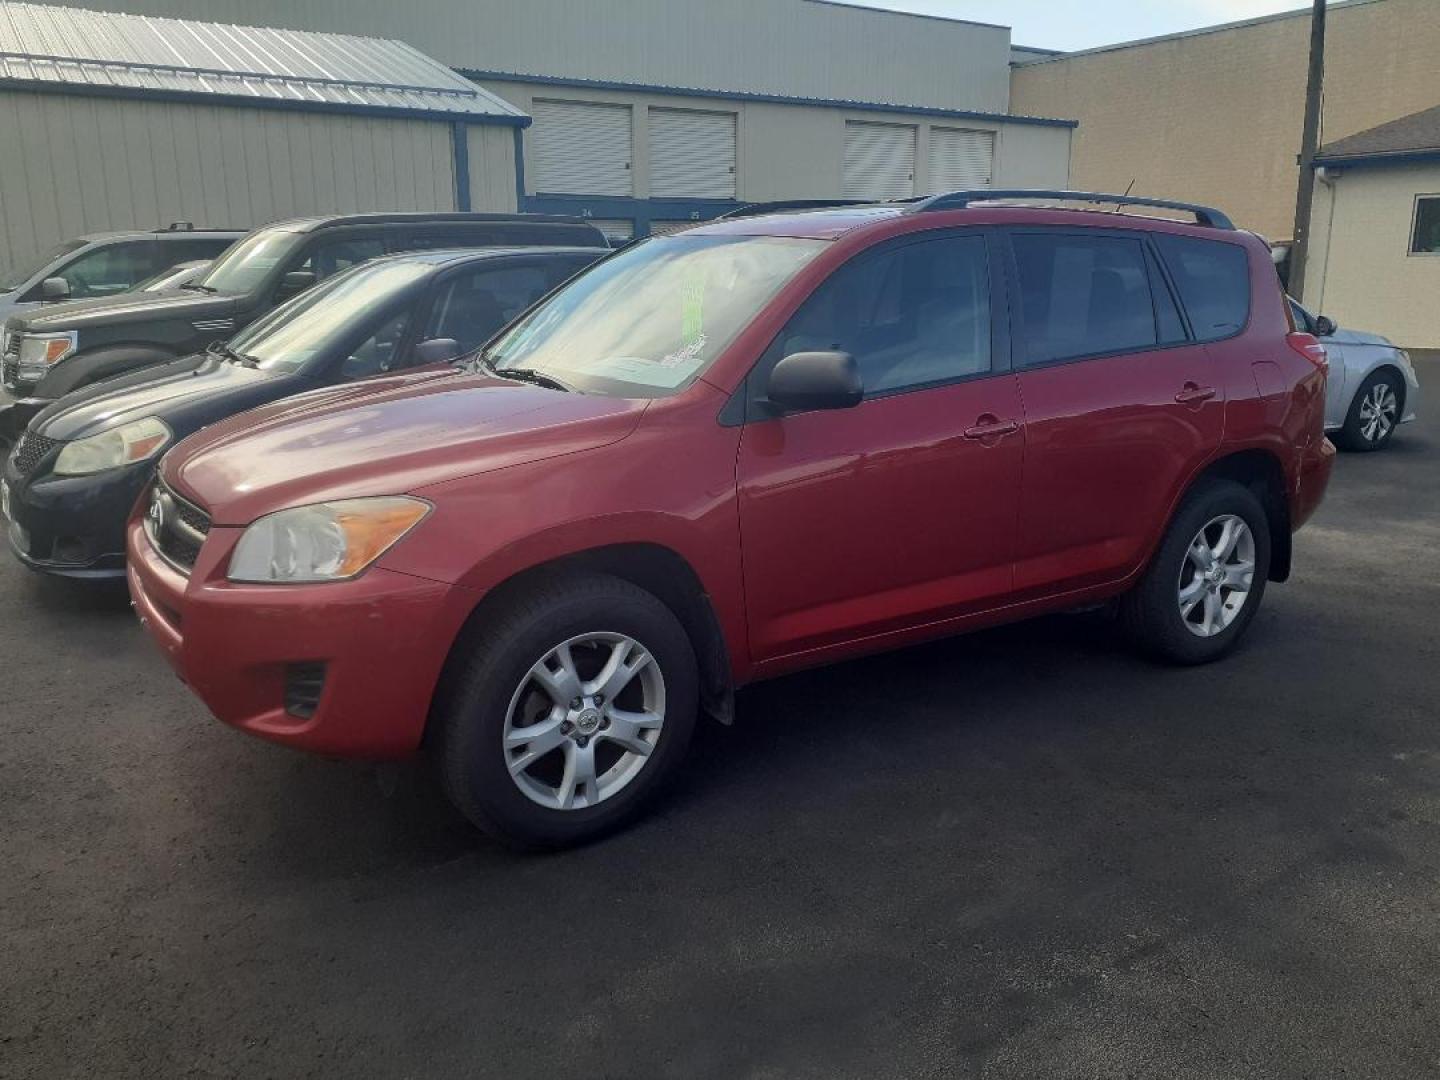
{"x": 958, "y": 200}
{"x": 781, "y": 205}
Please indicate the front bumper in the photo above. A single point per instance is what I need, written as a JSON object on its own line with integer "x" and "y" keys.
{"x": 73, "y": 526}
{"x": 380, "y": 639}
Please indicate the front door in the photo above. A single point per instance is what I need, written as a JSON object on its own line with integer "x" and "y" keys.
{"x": 900, "y": 511}
{"x": 1121, "y": 404}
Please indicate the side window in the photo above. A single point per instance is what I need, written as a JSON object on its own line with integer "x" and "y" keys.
{"x": 330, "y": 257}
{"x": 112, "y": 269}
{"x": 440, "y": 239}
{"x": 911, "y": 316}
{"x": 376, "y": 354}
{"x": 1170, "y": 328}
{"x": 1083, "y": 295}
{"x": 175, "y": 252}
{"x": 1214, "y": 282}
{"x": 473, "y": 305}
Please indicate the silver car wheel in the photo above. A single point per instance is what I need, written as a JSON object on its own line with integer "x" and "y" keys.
{"x": 1217, "y": 575}
{"x": 584, "y": 721}
{"x": 1379, "y": 410}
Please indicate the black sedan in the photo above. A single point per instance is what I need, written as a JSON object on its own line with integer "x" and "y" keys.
{"x": 68, "y": 486}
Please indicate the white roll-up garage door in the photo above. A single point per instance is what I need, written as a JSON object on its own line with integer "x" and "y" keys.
{"x": 692, "y": 154}
{"x": 581, "y": 148}
{"x": 961, "y": 159}
{"x": 879, "y": 160}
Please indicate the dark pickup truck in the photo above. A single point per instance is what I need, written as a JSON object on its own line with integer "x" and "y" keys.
{"x": 48, "y": 353}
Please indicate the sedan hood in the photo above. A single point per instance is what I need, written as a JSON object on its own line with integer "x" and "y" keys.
{"x": 1345, "y": 336}
{"x": 384, "y": 437}
{"x": 126, "y": 307}
{"x": 185, "y": 393}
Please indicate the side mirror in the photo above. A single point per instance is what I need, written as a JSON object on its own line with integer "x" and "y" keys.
{"x": 55, "y": 288}
{"x": 816, "y": 380}
{"x": 297, "y": 281}
{"x": 1324, "y": 326}
{"x": 438, "y": 350}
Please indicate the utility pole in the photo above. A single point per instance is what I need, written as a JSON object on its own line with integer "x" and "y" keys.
{"x": 1305, "y": 197}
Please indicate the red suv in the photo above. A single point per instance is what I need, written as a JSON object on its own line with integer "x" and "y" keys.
{"x": 760, "y": 445}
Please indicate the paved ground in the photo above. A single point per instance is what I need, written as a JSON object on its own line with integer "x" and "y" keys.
{"x": 1023, "y": 854}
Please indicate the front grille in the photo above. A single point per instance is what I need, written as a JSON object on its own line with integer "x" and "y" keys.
{"x": 31, "y": 451}
{"x": 10, "y": 371}
{"x": 177, "y": 528}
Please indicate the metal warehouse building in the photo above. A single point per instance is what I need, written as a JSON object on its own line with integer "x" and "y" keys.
{"x": 115, "y": 121}
{"x": 648, "y": 114}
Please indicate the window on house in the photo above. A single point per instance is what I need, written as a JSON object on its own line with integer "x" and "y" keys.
{"x": 1426, "y": 238}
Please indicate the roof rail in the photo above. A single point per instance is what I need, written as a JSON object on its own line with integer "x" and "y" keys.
{"x": 781, "y": 205}
{"x": 959, "y": 200}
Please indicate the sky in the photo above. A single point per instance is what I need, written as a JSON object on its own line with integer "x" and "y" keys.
{"x": 1084, "y": 24}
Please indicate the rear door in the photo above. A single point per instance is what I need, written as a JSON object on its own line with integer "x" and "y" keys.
{"x": 899, "y": 512}
{"x": 1121, "y": 404}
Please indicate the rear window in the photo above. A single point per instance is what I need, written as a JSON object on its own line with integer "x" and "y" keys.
{"x": 1083, "y": 296}
{"x": 1214, "y": 283}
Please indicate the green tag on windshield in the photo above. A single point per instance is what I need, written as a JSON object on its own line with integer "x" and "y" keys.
{"x": 692, "y": 310}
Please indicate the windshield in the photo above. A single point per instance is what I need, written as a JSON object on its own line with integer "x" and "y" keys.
{"x": 246, "y": 265}
{"x": 321, "y": 319}
{"x": 647, "y": 321}
{"x": 23, "y": 271}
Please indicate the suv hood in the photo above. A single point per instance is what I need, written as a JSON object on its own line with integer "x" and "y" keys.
{"x": 126, "y": 307}
{"x": 184, "y": 393}
{"x": 383, "y": 437}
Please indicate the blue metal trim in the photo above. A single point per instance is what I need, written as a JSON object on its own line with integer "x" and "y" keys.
{"x": 772, "y": 99}
{"x": 641, "y": 211}
{"x": 461, "y": 143}
{"x": 519, "y": 169}
{"x": 41, "y": 86}
{"x": 1389, "y": 157}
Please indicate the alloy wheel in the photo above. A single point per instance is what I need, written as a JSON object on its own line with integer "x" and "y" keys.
{"x": 584, "y": 721}
{"x": 1217, "y": 575}
{"x": 1379, "y": 410}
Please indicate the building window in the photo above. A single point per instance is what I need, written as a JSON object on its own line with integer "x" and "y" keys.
{"x": 1425, "y": 238}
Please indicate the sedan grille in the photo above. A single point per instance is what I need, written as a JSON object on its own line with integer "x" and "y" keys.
{"x": 177, "y": 528}
{"x": 31, "y": 451}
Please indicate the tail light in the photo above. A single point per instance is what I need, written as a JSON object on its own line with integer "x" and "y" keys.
{"x": 1308, "y": 346}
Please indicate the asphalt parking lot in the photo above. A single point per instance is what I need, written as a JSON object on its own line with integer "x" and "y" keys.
{"x": 1026, "y": 853}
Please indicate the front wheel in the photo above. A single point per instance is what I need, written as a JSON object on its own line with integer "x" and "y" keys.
{"x": 1206, "y": 581}
{"x": 1375, "y": 413}
{"x": 566, "y": 710}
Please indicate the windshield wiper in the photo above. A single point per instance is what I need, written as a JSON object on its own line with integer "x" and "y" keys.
{"x": 530, "y": 375}
{"x": 195, "y": 286}
{"x": 224, "y": 352}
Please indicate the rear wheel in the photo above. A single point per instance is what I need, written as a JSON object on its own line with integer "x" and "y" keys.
{"x": 1375, "y": 412}
{"x": 1206, "y": 581}
{"x": 572, "y": 706}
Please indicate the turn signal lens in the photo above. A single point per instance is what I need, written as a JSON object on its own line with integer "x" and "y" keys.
{"x": 1308, "y": 346}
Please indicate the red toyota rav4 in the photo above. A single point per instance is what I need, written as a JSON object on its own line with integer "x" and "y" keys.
{"x": 764, "y": 444}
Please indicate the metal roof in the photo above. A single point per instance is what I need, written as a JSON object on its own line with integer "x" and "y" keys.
{"x": 71, "y": 49}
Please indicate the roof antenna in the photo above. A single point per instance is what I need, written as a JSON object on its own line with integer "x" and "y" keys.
{"x": 1121, "y": 205}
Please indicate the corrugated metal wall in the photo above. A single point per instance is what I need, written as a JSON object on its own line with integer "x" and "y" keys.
{"x": 797, "y": 48}
{"x": 74, "y": 164}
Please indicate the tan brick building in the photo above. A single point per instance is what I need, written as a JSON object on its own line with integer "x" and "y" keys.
{"x": 1215, "y": 116}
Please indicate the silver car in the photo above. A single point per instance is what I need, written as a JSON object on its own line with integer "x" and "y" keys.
{"x": 1372, "y": 389}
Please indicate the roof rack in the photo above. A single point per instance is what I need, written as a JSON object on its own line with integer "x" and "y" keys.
{"x": 1207, "y": 216}
{"x": 780, "y": 205}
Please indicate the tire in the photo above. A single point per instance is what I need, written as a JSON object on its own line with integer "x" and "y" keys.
{"x": 1375, "y": 413}
{"x": 492, "y": 697}
{"x": 1152, "y": 611}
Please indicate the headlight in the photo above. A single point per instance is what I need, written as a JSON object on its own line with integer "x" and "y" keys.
{"x": 40, "y": 352}
{"x": 125, "y": 445}
{"x": 325, "y": 542}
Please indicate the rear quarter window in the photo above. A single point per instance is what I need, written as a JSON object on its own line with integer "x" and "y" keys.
{"x": 1214, "y": 283}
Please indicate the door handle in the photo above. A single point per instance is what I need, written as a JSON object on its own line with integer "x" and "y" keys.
{"x": 1194, "y": 393}
{"x": 988, "y": 427}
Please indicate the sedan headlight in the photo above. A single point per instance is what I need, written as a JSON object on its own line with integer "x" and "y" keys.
{"x": 125, "y": 445}
{"x": 325, "y": 542}
{"x": 40, "y": 352}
